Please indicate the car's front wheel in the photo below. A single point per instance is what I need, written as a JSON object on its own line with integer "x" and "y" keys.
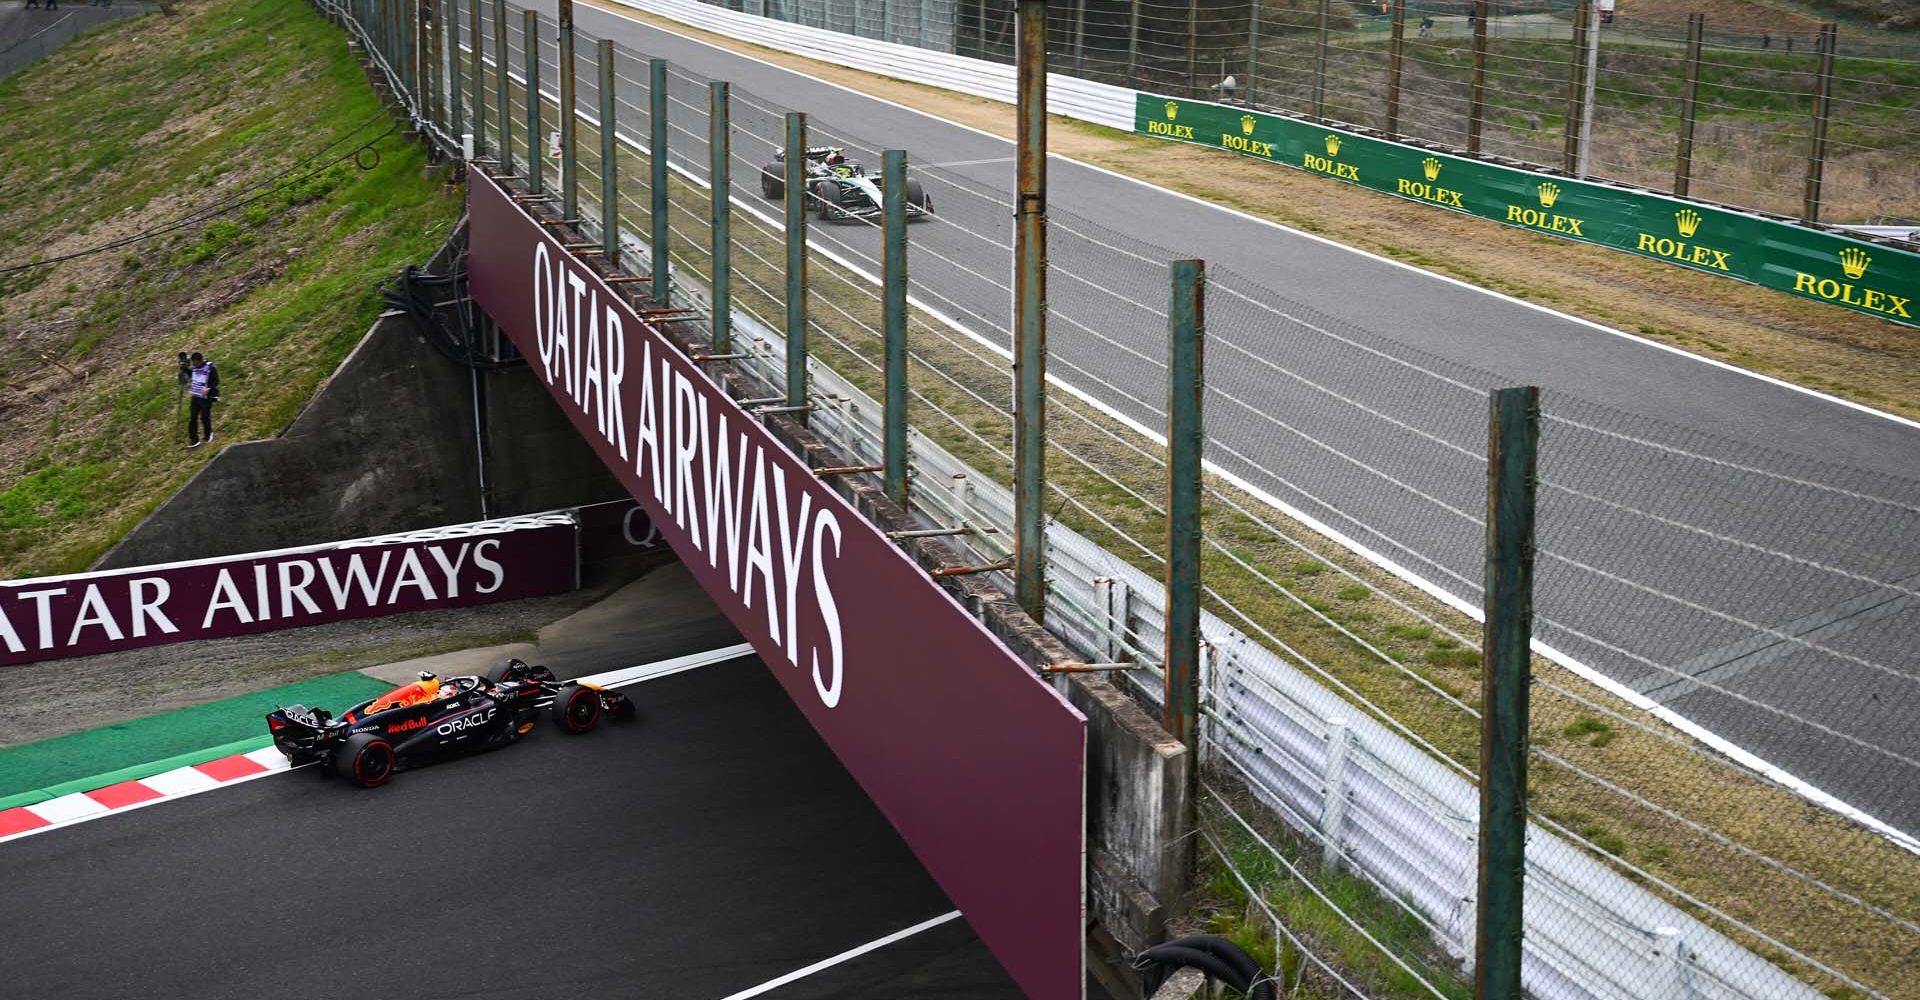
{"x": 366, "y": 758}
{"x": 576, "y": 709}
{"x": 772, "y": 185}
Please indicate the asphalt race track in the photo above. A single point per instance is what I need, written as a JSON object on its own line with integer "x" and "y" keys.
{"x": 1742, "y": 552}
{"x": 709, "y": 848}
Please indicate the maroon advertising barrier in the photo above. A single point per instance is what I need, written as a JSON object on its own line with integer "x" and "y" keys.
{"x": 617, "y": 529}
{"x": 46, "y": 618}
{"x": 975, "y": 761}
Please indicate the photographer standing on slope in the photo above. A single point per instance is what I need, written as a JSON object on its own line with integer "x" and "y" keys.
{"x": 203, "y": 386}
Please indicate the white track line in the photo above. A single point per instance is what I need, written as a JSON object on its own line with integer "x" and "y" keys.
{"x": 853, "y": 953}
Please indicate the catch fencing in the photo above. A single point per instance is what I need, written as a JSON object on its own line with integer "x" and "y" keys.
{"x": 1340, "y": 733}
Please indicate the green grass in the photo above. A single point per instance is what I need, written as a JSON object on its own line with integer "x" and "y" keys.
{"x": 230, "y": 101}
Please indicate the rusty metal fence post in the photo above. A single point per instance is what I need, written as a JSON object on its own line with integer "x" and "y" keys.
{"x": 450, "y": 36}
{"x": 796, "y": 191}
{"x": 1822, "y": 107}
{"x": 893, "y": 185}
{"x": 1513, "y": 434}
{"x": 1030, "y": 315}
{"x": 1396, "y": 60}
{"x": 720, "y": 213}
{"x": 530, "y": 34}
{"x": 478, "y": 75}
{"x": 1186, "y": 388}
{"x": 1576, "y": 88}
{"x": 505, "y": 116}
{"x": 1255, "y": 9}
{"x": 1689, "y": 105}
{"x": 569, "y": 165}
{"x": 1320, "y": 63}
{"x": 1477, "y": 102}
{"x": 661, "y": 283}
{"x": 609, "y": 155}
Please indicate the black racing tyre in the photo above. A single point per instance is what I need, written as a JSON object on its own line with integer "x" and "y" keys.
{"x": 828, "y": 194}
{"x": 917, "y": 197}
{"x": 499, "y": 671}
{"x": 366, "y": 759}
{"x": 772, "y": 186}
{"x": 576, "y": 709}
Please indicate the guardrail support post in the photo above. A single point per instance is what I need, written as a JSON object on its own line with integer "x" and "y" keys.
{"x": 530, "y": 32}
{"x": 1689, "y": 104}
{"x": 1513, "y": 433}
{"x": 1186, "y": 387}
{"x": 720, "y": 213}
{"x": 1477, "y": 103}
{"x": 569, "y": 166}
{"x": 478, "y": 80}
{"x": 1333, "y": 802}
{"x": 1396, "y": 61}
{"x": 609, "y": 155}
{"x": 797, "y": 262}
{"x": 1320, "y": 64}
{"x": 500, "y": 82}
{"x": 662, "y": 282}
{"x": 1030, "y": 315}
{"x": 1576, "y": 89}
{"x": 893, "y": 186}
{"x": 1822, "y": 105}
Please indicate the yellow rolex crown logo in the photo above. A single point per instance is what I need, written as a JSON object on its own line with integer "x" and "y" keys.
{"x": 1549, "y": 193}
{"x": 1688, "y": 220}
{"x": 1173, "y": 110}
{"x": 1432, "y": 167}
{"x": 1854, "y": 261}
{"x": 1333, "y": 145}
{"x": 1246, "y": 124}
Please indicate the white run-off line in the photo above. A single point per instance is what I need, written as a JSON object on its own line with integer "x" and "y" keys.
{"x": 79, "y": 807}
{"x": 906, "y": 65}
{"x": 852, "y": 953}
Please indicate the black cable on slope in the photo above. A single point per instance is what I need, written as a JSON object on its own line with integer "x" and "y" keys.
{"x": 1216, "y": 956}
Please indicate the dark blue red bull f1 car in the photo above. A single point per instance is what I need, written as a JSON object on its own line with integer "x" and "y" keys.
{"x": 434, "y": 717}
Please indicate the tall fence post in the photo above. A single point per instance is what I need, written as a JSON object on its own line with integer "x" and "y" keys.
{"x": 609, "y": 154}
{"x": 1252, "y": 88}
{"x": 1030, "y": 315}
{"x": 450, "y": 36}
{"x": 1822, "y": 105}
{"x": 1587, "y": 99}
{"x": 1193, "y": 48}
{"x": 1689, "y": 104}
{"x": 1186, "y": 387}
{"x": 662, "y": 281}
{"x": 530, "y": 31}
{"x": 1320, "y": 63}
{"x": 796, "y": 183}
{"x": 1079, "y": 34}
{"x": 569, "y": 164}
{"x": 1513, "y": 433}
{"x": 1576, "y": 88}
{"x": 1396, "y": 61}
{"x": 720, "y": 212}
{"x": 1477, "y": 103}
{"x": 893, "y": 184}
{"x": 1133, "y": 45}
{"x": 478, "y": 77}
{"x": 500, "y": 82}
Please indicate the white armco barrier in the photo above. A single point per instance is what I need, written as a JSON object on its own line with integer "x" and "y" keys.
{"x": 1099, "y": 103}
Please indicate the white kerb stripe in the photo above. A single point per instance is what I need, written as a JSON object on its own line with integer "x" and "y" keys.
{"x": 179, "y": 781}
{"x": 268, "y": 757}
{"x": 874, "y": 945}
{"x": 66, "y": 807}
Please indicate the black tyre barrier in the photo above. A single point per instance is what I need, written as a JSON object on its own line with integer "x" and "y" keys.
{"x": 1213, "y": 955}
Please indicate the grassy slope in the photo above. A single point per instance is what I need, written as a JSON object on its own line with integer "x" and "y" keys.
{"x": 137, "y": 127}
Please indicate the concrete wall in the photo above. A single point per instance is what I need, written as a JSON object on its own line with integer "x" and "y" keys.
{"x": 386, "y": 445}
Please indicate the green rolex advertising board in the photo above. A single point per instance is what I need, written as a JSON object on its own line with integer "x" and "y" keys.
{"x": 1867, "y": 277}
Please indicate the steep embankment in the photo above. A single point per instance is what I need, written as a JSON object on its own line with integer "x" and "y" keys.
{"x": 244, "y": 192}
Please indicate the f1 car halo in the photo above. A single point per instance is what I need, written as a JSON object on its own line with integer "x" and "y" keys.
{"x": 433, "y": 717}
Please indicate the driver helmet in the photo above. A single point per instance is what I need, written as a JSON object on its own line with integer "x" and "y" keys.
{"x": 429, "y": 683}
{"x": 835, "y": 157}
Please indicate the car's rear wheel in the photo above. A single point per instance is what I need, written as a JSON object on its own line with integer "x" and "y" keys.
{"x": 828, "y": 194}
{"x": 365, "y": 758}
{"x": 772, "y": 185}
{"x": 500, "y": 671}
{"x": 576, "y": 709}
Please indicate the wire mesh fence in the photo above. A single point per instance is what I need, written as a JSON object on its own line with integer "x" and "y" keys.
{"x": 1332, "y": 59}
{"x": 1749, "y": 591}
